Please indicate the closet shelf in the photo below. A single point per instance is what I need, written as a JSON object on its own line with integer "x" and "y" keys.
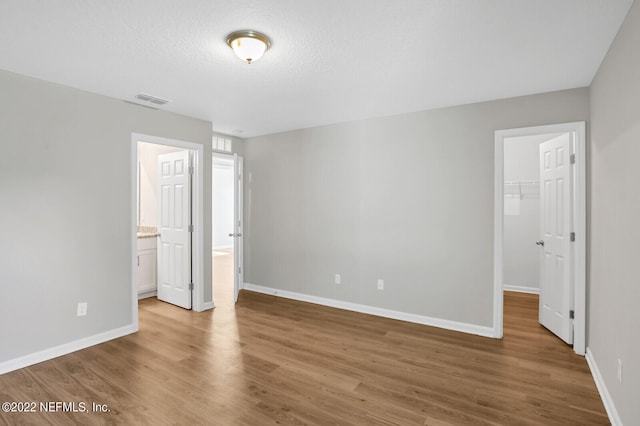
{"x": 522, "y": 182}
{"x": 522, "y": 189}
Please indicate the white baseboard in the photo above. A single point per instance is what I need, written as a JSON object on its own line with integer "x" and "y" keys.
{"x": 67, "y": 348}
{"x": 614, "y": 418}
{"x": 204, "y": 306}
{"x": 372, "y": 310}
{"x": 207, "y": 305}
{"x": 146, "y": 294}
{"x": 521, "y": 289}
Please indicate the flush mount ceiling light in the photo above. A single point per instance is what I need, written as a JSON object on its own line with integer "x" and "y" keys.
{"x": 248, "y": 45}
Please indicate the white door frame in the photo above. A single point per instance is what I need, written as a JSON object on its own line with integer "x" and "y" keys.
{"x": 197, "y": 212}
{"x": 238, "y": 250}
{"x": 579, "y": 225}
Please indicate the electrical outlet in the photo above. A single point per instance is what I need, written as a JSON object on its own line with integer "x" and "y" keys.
{"x": 380, "y": 284}
{"x": 337, "y": 279}
{"x": 82, "y": 309}
{"x": 619, "y": 370}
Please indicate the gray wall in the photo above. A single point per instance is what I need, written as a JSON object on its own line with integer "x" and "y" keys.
{"x": 614, "y": 284}
{"x": 66, "y": 213}
{"x": 407, "y": 198}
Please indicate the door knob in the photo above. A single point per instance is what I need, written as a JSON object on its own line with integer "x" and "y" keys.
{"x": 236, "y": 235}
{"x": 540, "y": 243}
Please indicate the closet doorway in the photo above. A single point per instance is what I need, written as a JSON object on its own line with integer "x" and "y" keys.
{"x": 540, "y": 226}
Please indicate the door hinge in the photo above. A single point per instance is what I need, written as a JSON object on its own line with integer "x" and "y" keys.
{"x": 191, "y": 286}
{"x": 572, "y": 314}
{"x": 572, "y": 159}
{"x": 190, "y": 228}
{"x": 190, "y": 170}
{"x": 239, "y": 270}
{"x": 572, "y": 237}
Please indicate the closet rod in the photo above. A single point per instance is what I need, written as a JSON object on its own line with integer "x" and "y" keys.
{"x": 522, "y": 182}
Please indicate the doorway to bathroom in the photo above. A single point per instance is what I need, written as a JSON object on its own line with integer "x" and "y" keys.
{"x": 168, "y": 222}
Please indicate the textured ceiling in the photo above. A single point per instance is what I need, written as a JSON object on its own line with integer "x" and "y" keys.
{"x": 330, "y": 61}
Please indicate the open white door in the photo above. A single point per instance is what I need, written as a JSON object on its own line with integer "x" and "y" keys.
{"x": 238, "y": 224}
{"x": 174, "y": 220}
{"x": 555, "y": 223}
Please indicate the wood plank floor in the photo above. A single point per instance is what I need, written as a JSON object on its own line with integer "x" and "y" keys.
{"x": 222, "y": 268}
{"x": 275, "y": 361}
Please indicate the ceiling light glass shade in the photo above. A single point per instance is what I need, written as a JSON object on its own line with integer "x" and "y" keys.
{"x": 248, "y": 45}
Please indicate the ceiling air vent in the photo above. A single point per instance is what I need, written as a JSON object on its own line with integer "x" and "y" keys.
{"x": 152, "y": 99}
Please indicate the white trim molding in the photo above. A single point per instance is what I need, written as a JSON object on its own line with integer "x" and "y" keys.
{"x": 614, "y": 418}
{"x": 64, "y": 349}
{"x": 522, "y": 289}
{"x": 372, "y": 310}
{"x": 146, "y": 294}
{"x": 579, "y": 225}
{"x": 207, "y": 306}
